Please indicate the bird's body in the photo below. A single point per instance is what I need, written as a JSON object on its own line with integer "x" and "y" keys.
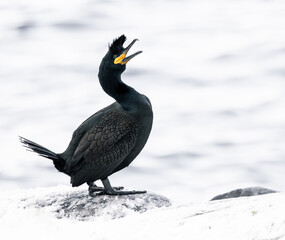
{"x": 107, "y": 142}
{"x": 110, "y": 139}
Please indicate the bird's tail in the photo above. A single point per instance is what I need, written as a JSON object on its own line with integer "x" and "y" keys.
{"x": 58, "y": 162}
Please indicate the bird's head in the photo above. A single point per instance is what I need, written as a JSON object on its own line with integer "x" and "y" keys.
{"x": 116, "y": 58}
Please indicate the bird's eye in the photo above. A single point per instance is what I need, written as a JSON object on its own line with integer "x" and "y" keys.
{"x": 115, "y": 56}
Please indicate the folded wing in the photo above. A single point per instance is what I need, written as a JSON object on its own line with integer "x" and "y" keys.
{"x": 103, "y": 148}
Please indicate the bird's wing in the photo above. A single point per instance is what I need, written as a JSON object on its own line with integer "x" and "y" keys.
{"x": 103, "y": 147}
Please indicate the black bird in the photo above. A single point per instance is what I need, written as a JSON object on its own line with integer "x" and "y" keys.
{"x": 110, "y": 139}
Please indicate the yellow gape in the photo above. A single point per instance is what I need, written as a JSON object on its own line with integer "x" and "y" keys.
{"x": 123, "y": 59}
{"x": 120, "y": 59}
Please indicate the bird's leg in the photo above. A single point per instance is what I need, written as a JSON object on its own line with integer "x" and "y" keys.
{"x": 93, "y": 187}
{"x": 109, "y": 190}
{"x": 95, "y": 190}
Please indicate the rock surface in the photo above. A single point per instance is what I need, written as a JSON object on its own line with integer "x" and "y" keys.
{"x": 65, "y": 213}
{"x": 244, "y": 192}
{"x": 77, "y": 204}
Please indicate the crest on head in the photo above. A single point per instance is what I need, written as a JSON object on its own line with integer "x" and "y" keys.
{"x": 117, "y": 46}
{"x": 118, "y": 53}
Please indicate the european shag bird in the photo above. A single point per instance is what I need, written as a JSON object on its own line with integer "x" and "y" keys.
{"x": 110, "y": 139}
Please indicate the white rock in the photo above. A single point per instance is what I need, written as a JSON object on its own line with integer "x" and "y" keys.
{"x": 42, "y": 214}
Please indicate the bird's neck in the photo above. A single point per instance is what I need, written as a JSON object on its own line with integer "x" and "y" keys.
{"x": 113, "y": 85}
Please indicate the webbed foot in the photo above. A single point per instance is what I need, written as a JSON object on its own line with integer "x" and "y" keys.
{"x": 109, "y": 190}
{"x": 94, "y": 190}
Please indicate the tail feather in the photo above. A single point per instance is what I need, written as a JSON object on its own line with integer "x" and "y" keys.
{"x": 58, "y": 162}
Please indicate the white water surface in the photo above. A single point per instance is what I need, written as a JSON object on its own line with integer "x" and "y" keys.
{"x": 214, "y": 71}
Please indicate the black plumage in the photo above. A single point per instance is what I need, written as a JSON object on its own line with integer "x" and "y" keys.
{"x": 110, "y": 139}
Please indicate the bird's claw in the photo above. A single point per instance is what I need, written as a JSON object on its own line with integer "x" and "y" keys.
{"x": 96, "y": 191}
{"x": 115, "y": 191}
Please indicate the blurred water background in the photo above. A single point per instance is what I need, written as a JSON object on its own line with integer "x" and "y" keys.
{"x": 214, "y": 71}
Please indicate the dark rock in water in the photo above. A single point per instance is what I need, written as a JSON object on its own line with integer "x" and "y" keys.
{"x": 79, "y": 205}
{"x": 244, "y": 192}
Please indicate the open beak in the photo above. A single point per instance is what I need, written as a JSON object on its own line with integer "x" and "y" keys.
{"x": 123, "y": 59}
